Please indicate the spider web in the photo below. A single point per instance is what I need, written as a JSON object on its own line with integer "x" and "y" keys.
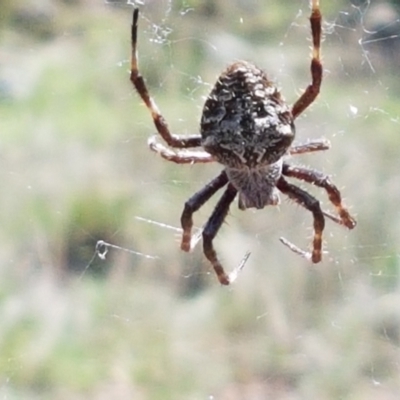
{"x": 158, "y": 325}
{"x": 361, "y": 267}
{"x": 352, "y": 25}
{"x": 358, "y": 283}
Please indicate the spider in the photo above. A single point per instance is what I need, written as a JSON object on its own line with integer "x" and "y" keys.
{"x": 248, "y": 128}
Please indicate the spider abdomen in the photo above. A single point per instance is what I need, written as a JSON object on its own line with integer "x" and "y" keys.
{"x": 245, "y": 121}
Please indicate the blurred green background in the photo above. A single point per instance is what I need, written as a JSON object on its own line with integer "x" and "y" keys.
{"x": 150, "y": 322}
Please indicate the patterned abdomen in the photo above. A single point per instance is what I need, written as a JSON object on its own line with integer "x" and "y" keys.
{"x": 245, "y": 122}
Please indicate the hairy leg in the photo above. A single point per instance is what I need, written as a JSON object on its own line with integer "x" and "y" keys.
{"x": 311, "y": 204}
{"x": 181, "y": 156}
{"x": 321, "y": 180}
{"x": 140, "y": 86}
{"x": 313, "y": 88}
{"x": 211, "y": 229}
{"x": 310, "y": 146}
{"x": 194, "y": 203}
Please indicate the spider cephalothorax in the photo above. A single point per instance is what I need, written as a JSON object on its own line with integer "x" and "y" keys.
{"x": 247, "y": 127}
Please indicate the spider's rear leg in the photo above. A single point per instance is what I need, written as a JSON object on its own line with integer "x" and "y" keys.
{"x": 211, "y": 229}
{"x": 312, "y": 204}
{"x": 321, "y": 180}
{"x": 194, "y": 203}
{"x": 140, "y": 86}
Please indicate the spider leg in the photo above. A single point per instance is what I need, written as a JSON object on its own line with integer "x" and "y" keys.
{"x": 140, "y": 86}
{"x": 312, "y": 204}
{"x": 211, "y": 229}
{"x": 321, "y": 180}
{"x": 181, "y": 156}
{"x": 194, "y": 203}
{"x": 310, "y": 146}
{"x": 313, "y": 88}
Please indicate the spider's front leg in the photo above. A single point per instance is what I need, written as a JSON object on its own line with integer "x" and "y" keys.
{"x": 312, "y": 204}
{"x": 321, "y": 180}
{"x": 313, "y": 88}
{"x": 140, "y": 86}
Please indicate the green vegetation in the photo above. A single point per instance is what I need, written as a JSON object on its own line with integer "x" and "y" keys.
{"x": 76, "y": 169}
